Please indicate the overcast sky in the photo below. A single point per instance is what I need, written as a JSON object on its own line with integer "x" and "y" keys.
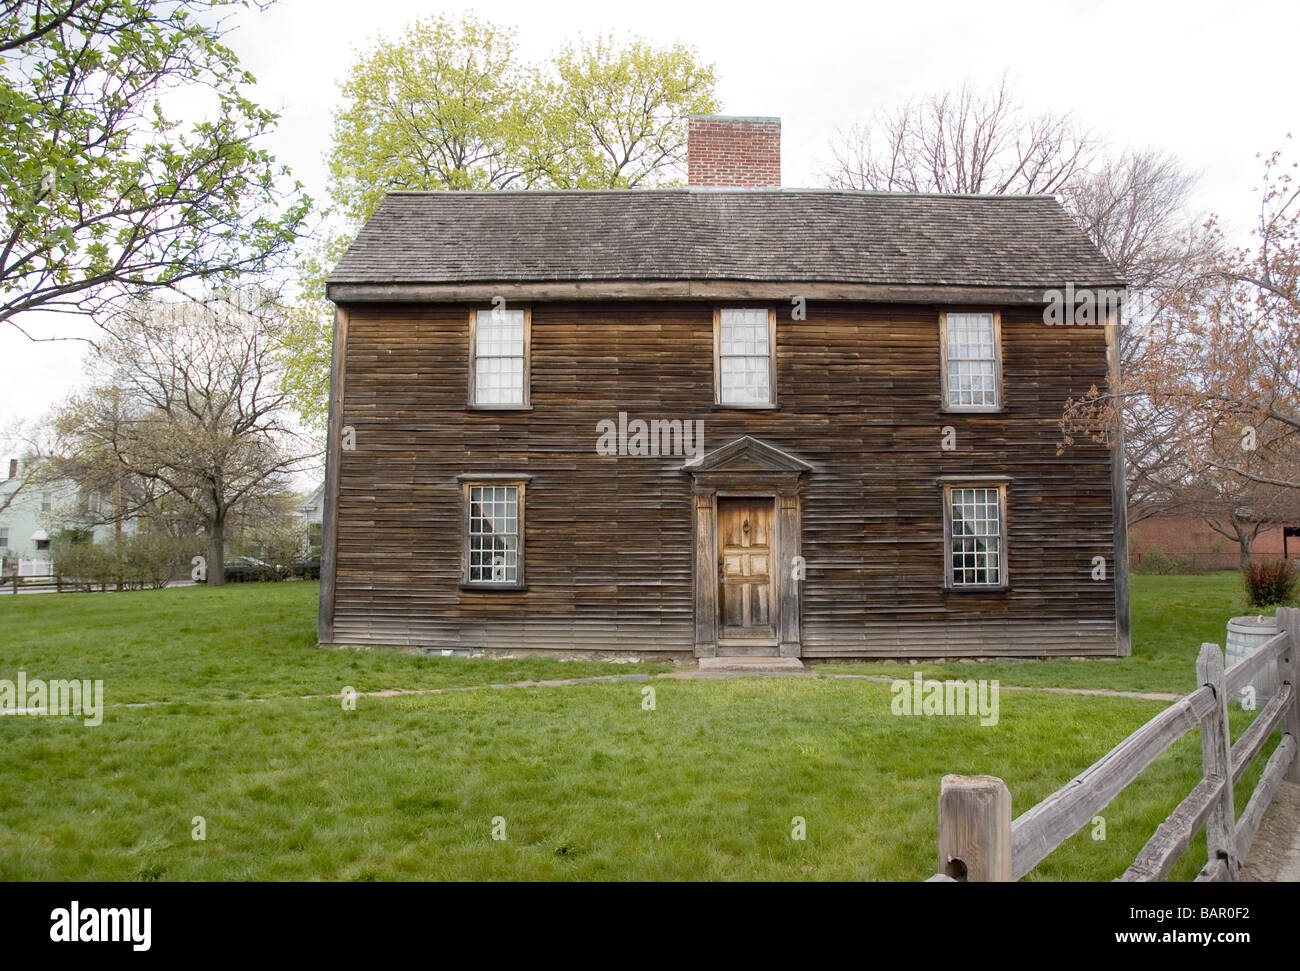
{"x": 1213, "y": 82}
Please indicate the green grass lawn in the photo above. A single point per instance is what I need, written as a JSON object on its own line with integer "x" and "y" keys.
{"x": 237, "y": 641}
{"x": 1172, "y": 616}
{"x": 589, "y": 783}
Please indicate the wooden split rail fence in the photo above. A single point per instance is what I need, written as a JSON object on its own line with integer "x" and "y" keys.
{"x": 979, "y": 841}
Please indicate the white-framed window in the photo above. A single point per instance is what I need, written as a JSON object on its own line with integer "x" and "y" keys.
{"x": 744, "y": 357}
{"x": 4, "y": 537}
{"x": 499, "y": 358}
{"x": 47, "y": 502}
{"x": 494, "y": 533}
{"x": 975, "y": 535}
{"x": 972, "y": 361}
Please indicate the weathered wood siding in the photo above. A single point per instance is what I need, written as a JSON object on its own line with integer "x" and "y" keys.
{"x": 609, "y": 540}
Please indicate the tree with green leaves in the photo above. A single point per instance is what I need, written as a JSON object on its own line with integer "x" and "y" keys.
{"x": 105, "y": 193}
{"x": 443, "y": 107}
{"x": 451, "y": 105}
{"x": 616, "y": 115}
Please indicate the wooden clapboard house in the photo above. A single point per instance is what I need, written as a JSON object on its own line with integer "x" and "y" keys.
{"x": 519, "y": 377}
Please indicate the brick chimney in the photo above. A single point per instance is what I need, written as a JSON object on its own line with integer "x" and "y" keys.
{"x": 733, "y": 151}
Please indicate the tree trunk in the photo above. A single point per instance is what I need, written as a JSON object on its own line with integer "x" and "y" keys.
{"x": 1246, "y": 541}
{"x": 216, "y": 553}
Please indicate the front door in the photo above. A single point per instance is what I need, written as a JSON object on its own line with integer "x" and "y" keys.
{"x": 745, "y": 538}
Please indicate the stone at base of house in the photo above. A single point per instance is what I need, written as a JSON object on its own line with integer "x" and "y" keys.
{"x": 512, "y": 653}
{"x": 757, "y": 665}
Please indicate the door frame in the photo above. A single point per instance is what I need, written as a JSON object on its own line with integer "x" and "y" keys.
{"x": 748, "y": 468}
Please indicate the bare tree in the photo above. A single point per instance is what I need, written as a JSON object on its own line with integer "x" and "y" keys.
{"x": 965, "y": 141}
{"x": 1136, "y": 208}
{"x": 189, "y": 403}
{"x": 1190, "y": 477}
{"x": 1218, "y": 366}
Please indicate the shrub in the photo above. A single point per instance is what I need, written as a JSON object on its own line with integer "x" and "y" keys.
{"x": 1155, "y": 560}
{"x": 83, "y": 564}
{"x": 1271, "y": 582}
{"x": 150, "y": 559}
{"x": 1186, "y": 563}
{"x": 132, "y": 562}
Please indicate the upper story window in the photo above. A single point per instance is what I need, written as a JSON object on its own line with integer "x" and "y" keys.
{"x": 744, "y": 347}
{"x": 972, "y": 361}
{"x": 4, "y": 537}
{"x": 499, "y": 353}
{"x": 975, "y": 528}
{"x": 47, "y": 502}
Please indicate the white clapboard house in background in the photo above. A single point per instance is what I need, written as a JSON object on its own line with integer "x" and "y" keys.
{"x": 30, "y": 516}
{"x": 312, "y": 511}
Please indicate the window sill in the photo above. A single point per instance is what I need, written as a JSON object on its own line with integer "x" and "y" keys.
{"x": 493, "y": 587}
{"x": 718, "y": 406}
{"x": 498, "y": 408}
{"x": 1001, "y": 588}
{"x": 948, "y": 410}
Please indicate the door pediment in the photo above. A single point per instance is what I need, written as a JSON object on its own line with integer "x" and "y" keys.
{"x": 749, "y": 455}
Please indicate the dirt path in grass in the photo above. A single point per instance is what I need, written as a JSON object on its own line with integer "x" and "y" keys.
{"x": 686, "y": 675}
{"x": 690, "y": 675}
{"x": 1106, "y": 692}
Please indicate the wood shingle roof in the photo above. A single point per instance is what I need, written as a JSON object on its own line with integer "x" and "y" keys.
{"x": 785, "y": 235}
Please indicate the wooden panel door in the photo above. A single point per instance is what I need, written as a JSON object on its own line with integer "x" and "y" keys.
{"x": 745, "y": 535}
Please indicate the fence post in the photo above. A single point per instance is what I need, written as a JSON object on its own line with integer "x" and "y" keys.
{"x": 975, "y": 828}
{"x": 1288, "y": 619}
{"x": 1216, "y": 762}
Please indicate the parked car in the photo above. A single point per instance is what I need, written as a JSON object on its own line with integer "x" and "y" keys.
{"x": 308, "y": 568}
{"x": 243, "y": 569}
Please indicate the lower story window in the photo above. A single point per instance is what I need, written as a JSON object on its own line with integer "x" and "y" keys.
{"x": 494, "y": 533}
{"x": 976, "y": 528}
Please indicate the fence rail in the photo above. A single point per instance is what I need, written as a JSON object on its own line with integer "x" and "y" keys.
{"x": 29, "y": 581}
{"x": 979, "y": 841}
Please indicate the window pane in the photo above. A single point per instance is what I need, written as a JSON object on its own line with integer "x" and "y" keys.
{"x": 493, "y": 534}
{"x": 972, "y": 361}
{"x": 976, "y": 537}
{"x": 745, "y": 380}
{"x": 499, "y": 358}
{"x": 499, "y": 380}
{"x": 744, "y": 357}
{"x": 501, "y": 333}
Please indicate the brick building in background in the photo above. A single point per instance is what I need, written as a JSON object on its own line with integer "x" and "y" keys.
{"x": 1198, "y": 545}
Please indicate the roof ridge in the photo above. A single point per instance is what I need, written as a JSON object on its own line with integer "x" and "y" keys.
{"x": 728, "y": 190}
